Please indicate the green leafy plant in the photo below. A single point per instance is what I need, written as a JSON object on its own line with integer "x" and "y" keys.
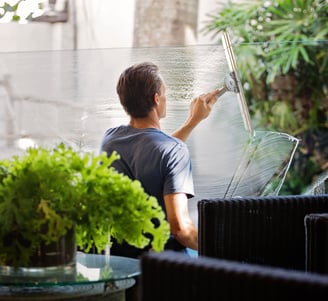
{"x": 47, "y": 192}
{"x": 281, "y": 50}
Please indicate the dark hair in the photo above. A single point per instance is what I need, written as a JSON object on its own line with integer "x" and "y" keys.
{"x": 136, "y": 88}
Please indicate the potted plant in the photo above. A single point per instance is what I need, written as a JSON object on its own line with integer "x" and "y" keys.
{"x": 48, "y": 194}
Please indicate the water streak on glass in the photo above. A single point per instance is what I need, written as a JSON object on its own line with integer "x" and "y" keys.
{"x": 70, "y": 96}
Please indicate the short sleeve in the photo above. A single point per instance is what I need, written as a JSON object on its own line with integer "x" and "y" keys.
{"x": 178, "y": 171}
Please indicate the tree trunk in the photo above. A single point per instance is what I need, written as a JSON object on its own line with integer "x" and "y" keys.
{"x": 165, "y": 23}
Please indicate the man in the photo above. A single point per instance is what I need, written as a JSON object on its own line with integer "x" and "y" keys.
{"x": 159, "y": 161}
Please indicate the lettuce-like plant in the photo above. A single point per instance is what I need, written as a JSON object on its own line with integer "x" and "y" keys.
{"x": 47, "y": 192}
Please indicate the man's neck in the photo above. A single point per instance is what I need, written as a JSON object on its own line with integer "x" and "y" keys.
{"x": 144, "y": 123}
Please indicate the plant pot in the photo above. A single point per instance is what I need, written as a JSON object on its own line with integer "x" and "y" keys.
{"x": 52, "y": 262}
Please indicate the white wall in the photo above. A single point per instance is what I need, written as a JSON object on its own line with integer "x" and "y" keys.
{"x": 35, "y": 36}
{"x": 99, "y": 24}
{"x": 104, "y": 24}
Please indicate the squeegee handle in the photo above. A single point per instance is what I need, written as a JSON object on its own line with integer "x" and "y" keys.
{"x": 222, "y": 91}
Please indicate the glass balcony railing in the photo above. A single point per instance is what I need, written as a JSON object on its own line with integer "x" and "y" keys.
{"x": 70, "y": 96}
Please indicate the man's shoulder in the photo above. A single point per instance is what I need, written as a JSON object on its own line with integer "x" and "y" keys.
{"x": 168, "y": 138}
{"x": 148, "y": 137}
{"x": 115, "y": 129}
{"x": 119, "y": 132}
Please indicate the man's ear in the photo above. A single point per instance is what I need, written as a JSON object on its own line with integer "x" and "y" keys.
{"x": 156, "y": 99}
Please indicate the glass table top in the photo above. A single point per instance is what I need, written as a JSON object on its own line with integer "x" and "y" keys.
{"x": 90, "y": 268}
{"x": 94, "y": 275}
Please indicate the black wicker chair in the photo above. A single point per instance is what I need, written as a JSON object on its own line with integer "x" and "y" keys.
{"x": 263, "y": 230}
{"x": 316, "y": 238}
{"x": 174, "y": 276}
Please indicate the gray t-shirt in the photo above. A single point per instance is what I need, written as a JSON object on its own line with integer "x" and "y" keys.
{"x": 160, "y": 162}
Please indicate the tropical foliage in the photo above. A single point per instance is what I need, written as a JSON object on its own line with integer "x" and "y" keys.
{"x": 281, "y": 48}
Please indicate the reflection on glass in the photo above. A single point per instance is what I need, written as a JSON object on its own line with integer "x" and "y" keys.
{"x": 95, "y": 268}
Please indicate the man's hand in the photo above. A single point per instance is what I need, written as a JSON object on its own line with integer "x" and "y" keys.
{"x": 200, "y": 108}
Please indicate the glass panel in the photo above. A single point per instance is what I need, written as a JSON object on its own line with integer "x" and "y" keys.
{"x": 70, "y": 96}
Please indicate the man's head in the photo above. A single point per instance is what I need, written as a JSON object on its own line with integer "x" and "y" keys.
{"x": 137, "y": 87}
